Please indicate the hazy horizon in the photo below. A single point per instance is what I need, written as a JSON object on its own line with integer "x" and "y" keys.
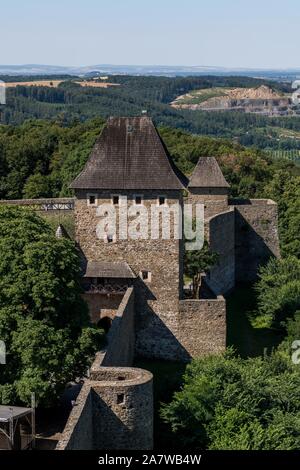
{"x": 262, "y": 35}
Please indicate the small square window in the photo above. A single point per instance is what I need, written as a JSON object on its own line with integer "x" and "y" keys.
{"x": 92, "y": 199}
{"x": 120, "y": 399}
{"x": 110, "y": 239}
{"x": 138, "y": 200}
{"x": 115, "y": 200}
{"x": 161, "y": 200}
{"x": 146, "y": 276}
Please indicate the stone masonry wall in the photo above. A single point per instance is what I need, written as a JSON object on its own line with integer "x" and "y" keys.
{"x": 215, "y": 200}
{"x": 102, "y": 305}
{"x": 122, "y": 409}
{"x": 121, "y": 336}
{"x": 157, "y": 300}
{"x": 256, "y": 236}
{"x": 114, "y": 410}
{"x": 202, "y": 326}
{"x": 221, "y": 238}
{"x": 78, "y": 432}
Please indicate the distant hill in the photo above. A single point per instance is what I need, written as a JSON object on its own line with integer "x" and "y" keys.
{"x": 158, "y": 70}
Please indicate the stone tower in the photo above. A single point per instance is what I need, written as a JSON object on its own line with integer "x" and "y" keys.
{"x": 208, "y": 186}
{"x": 130, "y": 161}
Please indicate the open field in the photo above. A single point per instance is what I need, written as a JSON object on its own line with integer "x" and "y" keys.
{"x": 48, "y": 83}
{"x": 56, "y": 83}
{"x": 95, "y": 84}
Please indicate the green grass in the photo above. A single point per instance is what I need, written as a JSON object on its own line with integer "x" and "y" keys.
{"x": 241, "y": 334}
{"x": 60, "y": 217}
{"x": 168, "y": 378}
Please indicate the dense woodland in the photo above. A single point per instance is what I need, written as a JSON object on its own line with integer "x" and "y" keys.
{"x": 226, "y": 402}
{"x": 71, "y": 102}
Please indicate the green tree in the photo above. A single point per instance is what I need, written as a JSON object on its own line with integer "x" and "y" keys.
{"x": 196, "y": 262}
{"x": 237, "y": 404}
{"x": 278, "y": 292}
{"x": 43, "y": 319}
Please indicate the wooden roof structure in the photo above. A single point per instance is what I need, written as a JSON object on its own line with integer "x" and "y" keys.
{"x": 104, "y": 269}
{"x": 207, "y": 174}
{"x": 129, "y": 154}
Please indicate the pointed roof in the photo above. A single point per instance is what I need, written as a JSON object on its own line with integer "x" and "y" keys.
{"x": 207, "y": 174}
{"x": 129, "y": 154}
{"x": 61, "y": 232}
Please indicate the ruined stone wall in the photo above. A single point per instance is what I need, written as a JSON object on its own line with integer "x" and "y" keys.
{"x": 156, "y": 300}
{"x": 202, "y": 326}
{"x": 121, "y": 336}
{"x": 114, "y": 410}
{"x": 256, "y": 236}
{"x": 221, "y": 238}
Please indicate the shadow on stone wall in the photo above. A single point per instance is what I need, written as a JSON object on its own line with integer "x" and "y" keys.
{"x": 251, "y": 249}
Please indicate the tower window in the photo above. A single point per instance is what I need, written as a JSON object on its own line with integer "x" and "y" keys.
{"x": 120, "y": 399}
{"x": 145, "y": 276}
{"x": 161, "y": 200}
{"x": 92, "y": 199}
{"x": 138, "y": 199}
{"x": 115, "y": 200}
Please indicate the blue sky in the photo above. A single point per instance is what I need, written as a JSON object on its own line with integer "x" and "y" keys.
{"x": 228, "y": 33}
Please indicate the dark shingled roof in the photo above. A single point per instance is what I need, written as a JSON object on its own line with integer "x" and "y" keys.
{"x": 129, "y": 154}
{"x": 207, "y": 174}
{"x": 108, "y": 270}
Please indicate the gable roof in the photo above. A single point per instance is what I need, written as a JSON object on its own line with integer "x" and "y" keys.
{"x": 106, "y": 269}
{"x": 129, "y": 154}
{"x": 207, "y": 174}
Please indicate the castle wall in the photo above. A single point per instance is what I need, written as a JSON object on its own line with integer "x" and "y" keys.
{"x": 102, "y": 305}
{"x": 114, "y": 410}
{"x": 156, "y": 301}
{"x": 221, "y": 238}
{"x": 78, "y": 432}
{"x": 202, "y": 326}
{"x": 215, "y": 200}
{"x": 256, "y": 236}
{"x": 121, "y": 336}
{"x": 123, "y": 409}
